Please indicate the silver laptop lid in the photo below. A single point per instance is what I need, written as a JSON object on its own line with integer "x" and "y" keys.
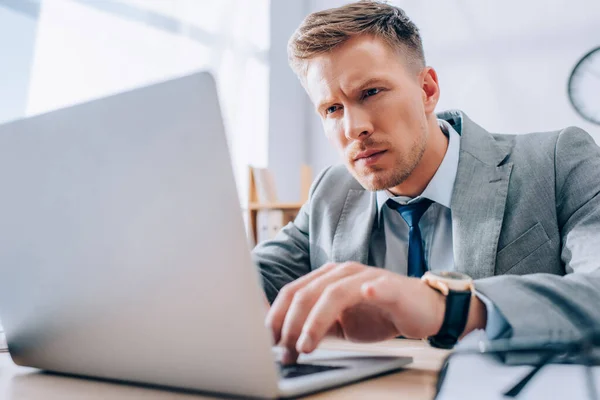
{"x": 122, "y": 248}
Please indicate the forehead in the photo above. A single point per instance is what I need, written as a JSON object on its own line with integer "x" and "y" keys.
{"x": 357, "y": 60}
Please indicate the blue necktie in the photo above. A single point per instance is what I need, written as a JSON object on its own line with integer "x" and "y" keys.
{"x": 412, "y": 213}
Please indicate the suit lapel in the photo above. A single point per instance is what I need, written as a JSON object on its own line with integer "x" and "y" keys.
{"x": 478, "y": 200}
{"x": 353, "y": 233}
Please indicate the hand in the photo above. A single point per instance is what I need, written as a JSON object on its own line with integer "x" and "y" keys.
{"x": 354, "y": 302}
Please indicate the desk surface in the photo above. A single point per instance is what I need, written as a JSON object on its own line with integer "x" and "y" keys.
{"x": 417, "y": 381}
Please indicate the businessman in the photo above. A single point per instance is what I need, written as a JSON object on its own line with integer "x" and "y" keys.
{"x": 505, "y": 228}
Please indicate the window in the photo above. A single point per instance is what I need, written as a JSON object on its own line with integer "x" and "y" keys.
{"x": 79, "y": 50}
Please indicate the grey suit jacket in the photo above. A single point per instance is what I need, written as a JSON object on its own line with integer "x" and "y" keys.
{"x": 525, "y": 225}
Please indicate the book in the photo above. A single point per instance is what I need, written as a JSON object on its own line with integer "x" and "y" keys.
{"x": 268, "y": 224}
{"x": 264, "y": 182}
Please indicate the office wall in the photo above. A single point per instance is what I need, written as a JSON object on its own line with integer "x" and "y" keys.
{"x": 18, "y": 23}
{"x": 505, "y": 63}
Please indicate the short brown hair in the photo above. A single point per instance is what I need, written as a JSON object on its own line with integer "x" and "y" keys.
{"x": 323, "y": 31}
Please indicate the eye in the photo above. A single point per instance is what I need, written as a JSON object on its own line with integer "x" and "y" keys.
{"x": 332, "y": 109}
{"x": 371, "y": 92}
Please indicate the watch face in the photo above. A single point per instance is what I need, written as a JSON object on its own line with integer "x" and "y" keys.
{"x": 452, "y": 275}
{"x": 584, "y": 86}
{"x": 448, "y": 280}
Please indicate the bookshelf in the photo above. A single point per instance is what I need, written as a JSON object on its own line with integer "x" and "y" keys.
{"x": 256, "y": 204}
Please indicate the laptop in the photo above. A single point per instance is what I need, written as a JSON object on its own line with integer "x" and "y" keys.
{"x": 123, "y": 253}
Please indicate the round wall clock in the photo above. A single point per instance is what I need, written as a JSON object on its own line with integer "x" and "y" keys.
{"x": 584, "y": 86}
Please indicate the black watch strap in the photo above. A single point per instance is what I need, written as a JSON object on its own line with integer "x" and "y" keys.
{"x": 455, "y": 319}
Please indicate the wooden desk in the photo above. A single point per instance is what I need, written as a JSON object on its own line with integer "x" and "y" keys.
{"x": 417, "y": 381}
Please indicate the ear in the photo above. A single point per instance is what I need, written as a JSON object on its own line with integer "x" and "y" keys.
{"x": 430, "y": 88}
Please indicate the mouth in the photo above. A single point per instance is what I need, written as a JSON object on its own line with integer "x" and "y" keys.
{"x": 369, "y": 157}
{"x": 367, "y": 154}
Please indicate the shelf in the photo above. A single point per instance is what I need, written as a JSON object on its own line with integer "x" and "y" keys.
{"x": 290, "y": 209}
{"x": 274, "y": 206}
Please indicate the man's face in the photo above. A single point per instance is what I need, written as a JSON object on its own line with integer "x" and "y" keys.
{"x": 373, "y": 110}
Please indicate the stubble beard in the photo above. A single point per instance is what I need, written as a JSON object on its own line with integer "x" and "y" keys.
{"x": 379, "y": 178}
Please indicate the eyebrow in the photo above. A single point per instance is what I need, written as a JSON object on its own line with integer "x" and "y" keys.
{"x": 369, "y": 82}
{"x": 361, "y": 86}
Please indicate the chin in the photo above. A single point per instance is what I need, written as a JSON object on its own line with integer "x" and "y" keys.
{"x": 375, "y": 181}
{"x": 381, "y": 179}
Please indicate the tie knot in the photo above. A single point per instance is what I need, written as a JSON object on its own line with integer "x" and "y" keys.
{"x": 411, "y": 213}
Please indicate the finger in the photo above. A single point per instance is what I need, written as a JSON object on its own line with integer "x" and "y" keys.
{"x": 279, "y": 308}
{"x": 335, "y": 299}
{"x": 289, "y": 356}
{"x": 336, "y": 331}
{"x": 306, "y": 297}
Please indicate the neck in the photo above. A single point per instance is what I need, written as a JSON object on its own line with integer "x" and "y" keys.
{"x": 435, "y": 150}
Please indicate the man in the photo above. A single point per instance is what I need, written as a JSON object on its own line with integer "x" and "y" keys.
{"x": 520, "y": 214}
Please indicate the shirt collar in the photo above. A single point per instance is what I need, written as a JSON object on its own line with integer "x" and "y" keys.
{"x": 441, "y": 185}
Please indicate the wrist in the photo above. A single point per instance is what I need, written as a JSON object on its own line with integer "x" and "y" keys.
{"x": 461, "y": 313}
{"x": 477, "y": 318}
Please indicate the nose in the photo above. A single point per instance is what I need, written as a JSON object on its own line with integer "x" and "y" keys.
{"x": 357, "y": 124}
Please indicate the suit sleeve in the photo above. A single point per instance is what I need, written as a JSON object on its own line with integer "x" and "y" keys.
{"x": 496, "y": 327}
{"x": 561, "y": 307}
{"x": 286, "y": 257}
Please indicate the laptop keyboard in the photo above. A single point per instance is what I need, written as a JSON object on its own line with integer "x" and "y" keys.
{"x": 297, "y": 370}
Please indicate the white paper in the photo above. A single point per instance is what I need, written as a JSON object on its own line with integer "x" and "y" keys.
{"x": 486, "y": 377}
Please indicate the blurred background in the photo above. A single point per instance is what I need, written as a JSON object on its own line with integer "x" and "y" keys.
{"x": 505, "y": 63}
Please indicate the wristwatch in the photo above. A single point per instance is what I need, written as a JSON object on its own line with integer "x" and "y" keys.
{"x": 458, "y": 289}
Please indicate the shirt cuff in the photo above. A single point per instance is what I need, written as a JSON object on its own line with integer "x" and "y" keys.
{"x": 496, "y": 326}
